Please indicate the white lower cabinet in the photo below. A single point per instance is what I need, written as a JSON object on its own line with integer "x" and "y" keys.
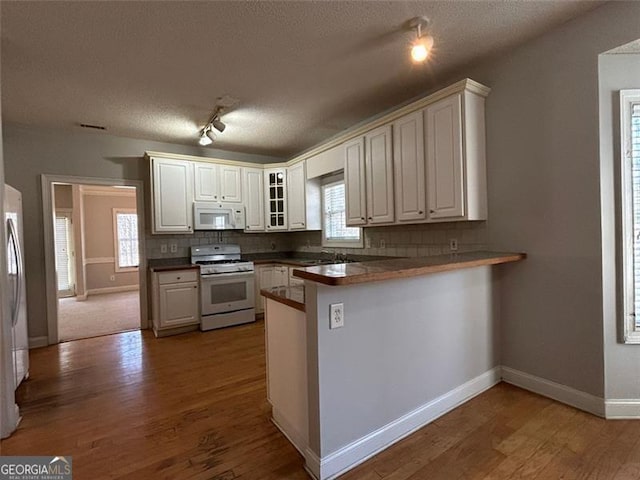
{"x": 264, "y": 275}
{"x": 271, "y": 275}
{"x": 176, "y": 301}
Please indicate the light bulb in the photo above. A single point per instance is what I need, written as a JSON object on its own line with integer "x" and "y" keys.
{"x": 421, "y": 48}
{"x": 204, "y": 140}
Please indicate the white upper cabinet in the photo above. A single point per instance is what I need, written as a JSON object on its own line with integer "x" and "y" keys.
{"x": 379, "y": 175}
{"x": 409, "y": 168}
{"x": 172, "y": 196}
{"x": 217, "y": 183}
{"x": 456, "y": 164}
{"x": 296, "y": 197}
{"x": 354, "y": 180}
{"x": 444, "y": 158}
{"x": 254, "y": 200}
{"x": 207, "y": 183}
{"x": 230, "y": 183}
{"x": 275, "y": 191}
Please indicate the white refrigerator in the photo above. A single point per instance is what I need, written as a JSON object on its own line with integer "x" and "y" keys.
{"x": 17, "y": 299}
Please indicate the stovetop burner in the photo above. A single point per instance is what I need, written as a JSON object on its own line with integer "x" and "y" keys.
{"x": 218, "y": 262}
{"x": 219, "y": 258}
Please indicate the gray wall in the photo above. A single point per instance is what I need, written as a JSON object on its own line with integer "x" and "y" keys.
{"x": 404, "y": 343}
{"x": 622, "y": 362}
{"x": 544, "y": 194}
{"x": 30, "y": 152}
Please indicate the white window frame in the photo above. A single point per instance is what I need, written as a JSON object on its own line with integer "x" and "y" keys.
{"x": 628, "y": 98}
{"x": 116, "y": 242}
{"x": 326, "y": 242}
{"x": 71, "y": 291}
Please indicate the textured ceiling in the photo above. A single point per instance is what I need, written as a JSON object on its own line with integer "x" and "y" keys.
{"x": 303, "y": 71}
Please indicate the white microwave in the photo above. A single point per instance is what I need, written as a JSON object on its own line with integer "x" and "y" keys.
{"x": 218, "y": 216}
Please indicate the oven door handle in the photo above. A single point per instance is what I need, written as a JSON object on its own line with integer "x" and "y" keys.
{"x": 213, "y": 276}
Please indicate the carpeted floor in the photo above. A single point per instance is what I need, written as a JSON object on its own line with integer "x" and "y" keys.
{"x": 98, "y": 315}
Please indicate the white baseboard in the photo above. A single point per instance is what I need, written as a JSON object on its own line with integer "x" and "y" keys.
{"x": 355, "y": 453}
{"x": 556, "y": 391}
{"x": 37, "y": 342}
{"x": 622, "y": 408}
{"x": 102, "y": 291}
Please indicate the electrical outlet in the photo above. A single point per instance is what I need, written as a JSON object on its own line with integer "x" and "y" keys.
{"x": 112, "y": 278}
{"x": 163, "y": 248}
{"x": 173, "y": 248}
{"x": 383, "y": 243}
{"x": 453, "y": 244}
{"x": 336, "y": 312}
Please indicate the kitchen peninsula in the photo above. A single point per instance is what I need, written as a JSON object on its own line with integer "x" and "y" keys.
{"x": 419, "y": 337}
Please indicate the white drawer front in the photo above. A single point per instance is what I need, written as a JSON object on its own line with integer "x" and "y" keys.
{"x": 178, "y": 276}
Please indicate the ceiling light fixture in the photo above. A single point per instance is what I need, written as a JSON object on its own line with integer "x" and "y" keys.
{"x": 218, "y": 125}
{"x": 422, "y": 45}
{"x": 207, "y": 135}
{"x": 205, "y": 139}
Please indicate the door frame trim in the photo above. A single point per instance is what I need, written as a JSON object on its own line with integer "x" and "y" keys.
{"x": 47, "y": 182}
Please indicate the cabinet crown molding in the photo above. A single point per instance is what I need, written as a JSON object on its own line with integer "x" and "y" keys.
{"x": 466, "y": 84}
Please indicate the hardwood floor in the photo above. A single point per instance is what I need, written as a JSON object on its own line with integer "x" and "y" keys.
{"x": 194, "y": 407}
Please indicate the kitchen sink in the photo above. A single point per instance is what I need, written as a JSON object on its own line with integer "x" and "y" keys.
{"x": 328, "y": 261}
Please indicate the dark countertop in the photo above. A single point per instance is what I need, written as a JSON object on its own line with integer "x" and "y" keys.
{"x": 291, "y": 296}
{"x": 169, "y": 268}
{"x": 352, "y": 273}
{"x": 302, "y": 259}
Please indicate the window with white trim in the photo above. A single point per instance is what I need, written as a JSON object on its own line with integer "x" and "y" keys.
{"x": 125, "y": 229}
{"x": 335, "y": 232}
{"x": 630, "y": 150}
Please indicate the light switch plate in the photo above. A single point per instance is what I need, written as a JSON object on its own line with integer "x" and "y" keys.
{"x": 336, "y": 315}
{"x": 163, "y": 248}
{"x": 173, "y": 248}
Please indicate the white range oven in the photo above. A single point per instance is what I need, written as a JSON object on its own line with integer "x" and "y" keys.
{"x": 227, "y": 292}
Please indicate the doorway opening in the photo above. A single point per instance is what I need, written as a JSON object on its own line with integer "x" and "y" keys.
{"x": 96, "y": 240}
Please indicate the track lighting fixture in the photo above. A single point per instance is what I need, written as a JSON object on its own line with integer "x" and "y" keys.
{"x": 207, "y": 135}
{"x": 211, "y": 134}
{"x": 205, "y": 139}
{"x": 218, "y": 125}
{"x": 422, "y": 45}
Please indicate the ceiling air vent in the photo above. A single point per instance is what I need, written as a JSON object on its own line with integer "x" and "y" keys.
{"x": 95, "y": 127}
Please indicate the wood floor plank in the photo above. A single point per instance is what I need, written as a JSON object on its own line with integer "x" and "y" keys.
{"x": 193, "y": 407}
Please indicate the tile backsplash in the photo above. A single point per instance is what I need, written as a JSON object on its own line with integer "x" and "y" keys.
{"x": 249, "y": 242}
{"x": 401, "y": 240}
{"x": 407, "y": 240}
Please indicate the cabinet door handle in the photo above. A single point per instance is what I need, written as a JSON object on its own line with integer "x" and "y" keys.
{"x": 223, "y": 197}
{"x": 179, "y": 278}
{"x": 195, "y": 286}
{"x": 432, "y": 211}
{"x": 361, "y": 218}
{"x": 370, "y": 218}
{"x": 420, "y": 212}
